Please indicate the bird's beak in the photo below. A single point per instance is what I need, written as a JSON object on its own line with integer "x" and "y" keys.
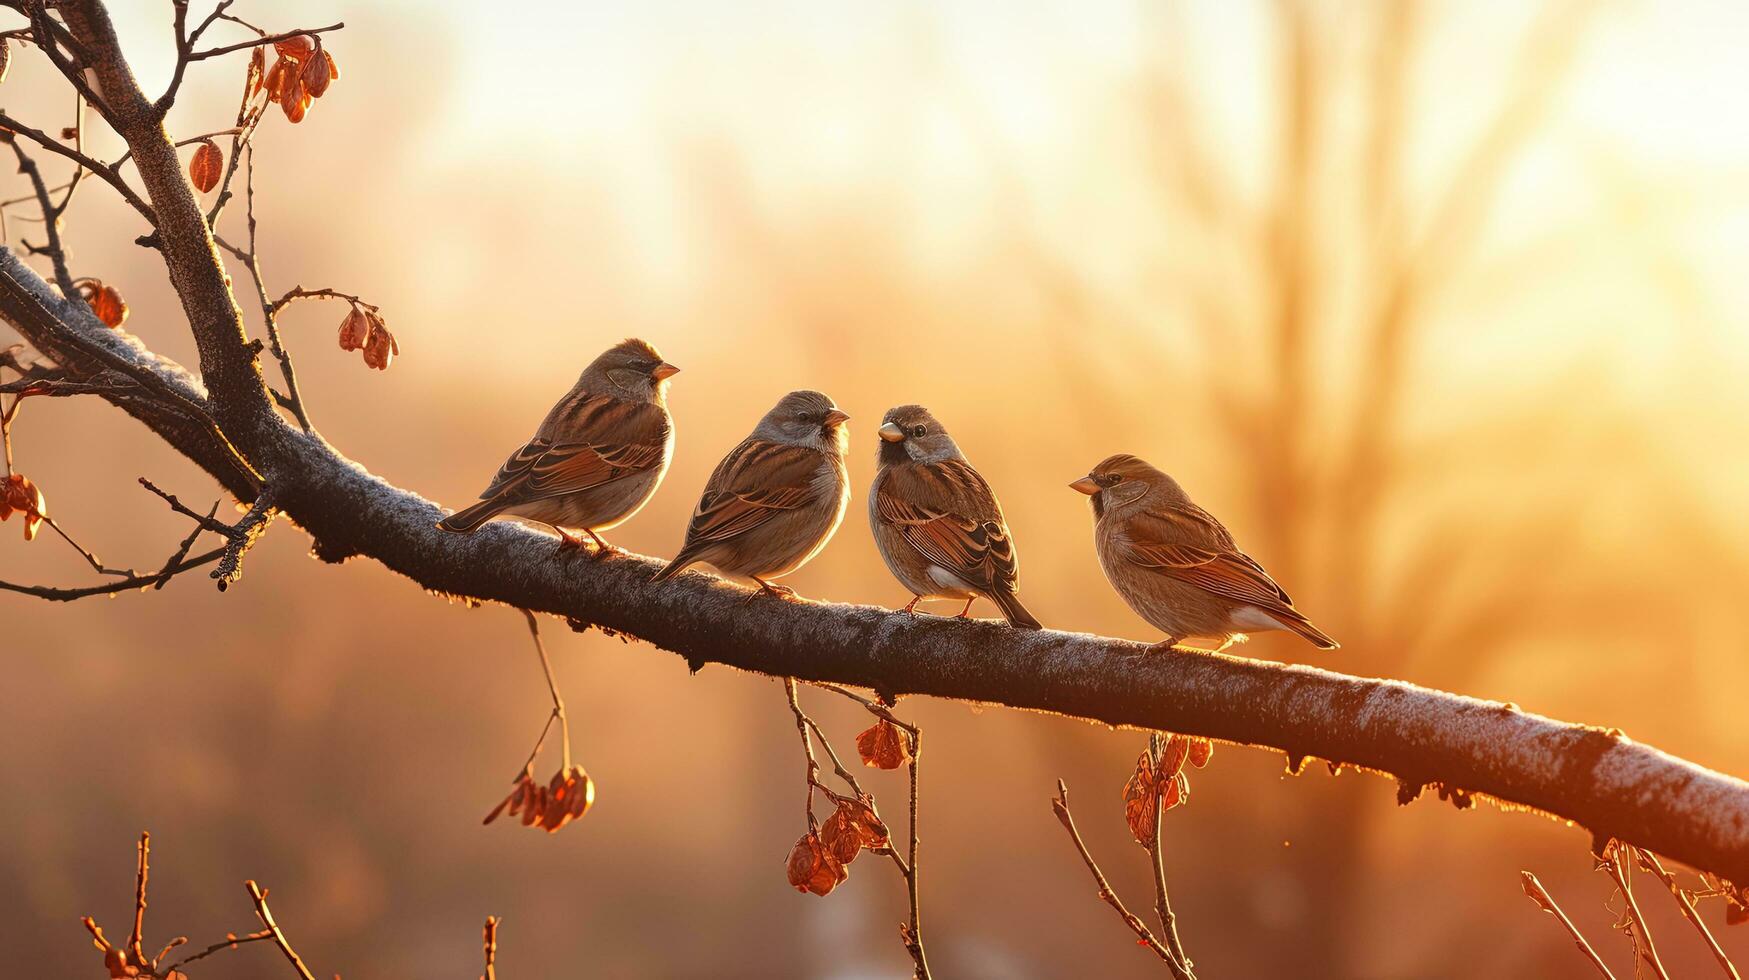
{"x": 1086, "y": 485}
{"x": 892, "y": 433}
{"x": 836, "y": 418}
{"x": 664, "y": 371}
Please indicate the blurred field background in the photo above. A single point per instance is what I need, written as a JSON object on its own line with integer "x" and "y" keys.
{"x": 1440, "y": 306}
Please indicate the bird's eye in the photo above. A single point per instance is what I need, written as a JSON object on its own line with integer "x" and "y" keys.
{"x": 1108, "y": 480}
{"x": 917, "y": 431}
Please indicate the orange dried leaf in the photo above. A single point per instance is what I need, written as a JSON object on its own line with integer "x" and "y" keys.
{"x": 354, "y": 330}
{"x": 206, "y": 167}
{"x": 20, "y": 495}
{"x": 884, "y": 746}
{"x": 1141, "y": 797}
{"x": 292, "y": 97}
{"x": 333, "y": 68}
{"x": 1176, "y": 792}
{"x": 253, "y": 81}
{"x": 811, "y": 867}
{"x": 840, "y": 837}
{"x": 297, "y": 48}
{"x": 380, "y": 352}
{"x": 274, "y": 83}
{"x": 317, "y": 74}
{"x": 1201, "y": 750}
{"x": 104, "y": 301}
{"x": 1172, "y": 756}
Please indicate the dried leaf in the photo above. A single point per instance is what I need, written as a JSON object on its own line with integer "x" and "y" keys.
{"x": 20, "y": 495}
{"x": 253, "y": 81}
{"x": 297, "y": 48}
{"x": 811, "y": 867}
{"x": 380, "y": 352}
{"x": 292, "y": 97}
{"x": 1176, "y": 792}
{"x": 354, "y": 330}
{"x": 884, "y": 746}
{"x": 1172, "y": 756}
{"x": 317, "y": 73}
{"x": 570, "y": 795}
{"x": 1201, "y": 750}
{"x": 840, "y": 837}
{"x": 274, "y": 83}
{"x": 206, "y": 167}
{"x": 333, "y": 68}
{"x": 104, "y": 301}
{"x": 1141, "y": 799}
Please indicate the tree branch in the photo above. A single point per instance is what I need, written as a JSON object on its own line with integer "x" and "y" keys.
{"x": 1595, "y": 777}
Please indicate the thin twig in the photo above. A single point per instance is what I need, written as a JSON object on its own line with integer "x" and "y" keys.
{"x": 1060, "y": 806}
{"x": 138, "y": 936}
{"x": 228, "y": 943}
{"x": 109, "y": 175}
{"x": 1621, "y": 869}
{"x": 269, "y": 39}
{"x": 155, "y": 579}
{"x": 1650, "y": 862}
{"x": 51, "y": 223}
{"x": 552, "y": 686}
{"x": 1540, "y": 895}
{"x": 259, "y": 895}
{"x": 1180, "y": 963}
{"x": 491, "y": 944}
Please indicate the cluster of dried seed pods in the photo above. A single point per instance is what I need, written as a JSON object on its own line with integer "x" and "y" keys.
{"x": 364, "y": 329}
{"x": 1161, "y": 786}
{"x": 566, "y": 797}
{"x": 300, "y": 75}
{"x": 821, "y": 858}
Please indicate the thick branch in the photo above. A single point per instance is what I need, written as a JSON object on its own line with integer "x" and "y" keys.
{"x": 1598, "y": 778}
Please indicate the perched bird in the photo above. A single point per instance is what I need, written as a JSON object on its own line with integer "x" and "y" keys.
{"x": 596, "y": 458}
{"x": 1176, "y": 566}
{"x": 936, "y": 521}
{"x": 776, "y": 499}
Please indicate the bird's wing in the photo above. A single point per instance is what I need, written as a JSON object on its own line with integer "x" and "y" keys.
{"x": 754, "y": 483}
{"x": 608, "y": 439}
{"x": 1157, "y": 541}
{"x": 949, "y": 514}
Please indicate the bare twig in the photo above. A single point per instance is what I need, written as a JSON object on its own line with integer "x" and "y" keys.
{"x": 259, "y": 895}
{"x": 1537, "y": 893}
{"x": 491, "y": 944}
{"x": 1162, "y": 902}
{"x": 154, "y": 580}
{"x": 103, "y": 170}
{"x": 269, "y": 39}
{"x": 1618, "y": 863}
{"x": 553, "y": 688}
{"x": 1060, "y": 806}
{"x": 1650, "y": 862}
{"x": 51, "y": 220}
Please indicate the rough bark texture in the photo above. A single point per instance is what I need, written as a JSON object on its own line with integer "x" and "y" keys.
{"x": 1598, "y": 778}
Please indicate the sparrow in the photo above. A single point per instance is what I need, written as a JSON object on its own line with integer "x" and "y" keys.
{"x": 936, "y": 521}
{"x": 776, "y": 499}
{"x": 597, "y": 457}
{"x": 1176, "y": 566}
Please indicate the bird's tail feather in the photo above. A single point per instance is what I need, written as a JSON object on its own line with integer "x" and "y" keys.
{"x": 674, "y": 567}
{"x": 470, "y": 518}
{"x": 1314, "y": 635}
{"x": 1016, "y": 613}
